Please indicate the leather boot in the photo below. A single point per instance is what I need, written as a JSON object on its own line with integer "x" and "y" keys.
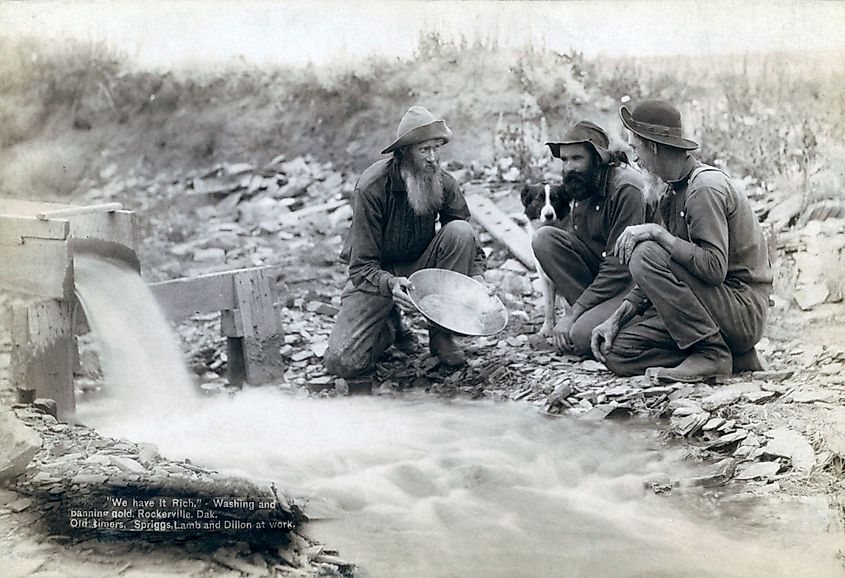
{"x": 748, "y": 361}
{"x": 709, "y": 359}
{"x": 443, "y": 345}
{"x": 405, "y": 340}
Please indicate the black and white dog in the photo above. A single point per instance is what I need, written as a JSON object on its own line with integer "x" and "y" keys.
{"x": 545, "y": 205}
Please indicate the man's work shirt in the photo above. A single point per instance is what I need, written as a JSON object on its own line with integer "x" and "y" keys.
{"x": 598, "y": 222}
{"x": 386, "y": 231}
{"x": 717, "y": 236}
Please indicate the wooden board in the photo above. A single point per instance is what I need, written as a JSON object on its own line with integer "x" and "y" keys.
{"x": 39, "y": 267}
{"x": 502, "y": 228}
{"x": 262, "y": 338}
{"x": 13, "y": 230}
{"x": 42, "y": 352}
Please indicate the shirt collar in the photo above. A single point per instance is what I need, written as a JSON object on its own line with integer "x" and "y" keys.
{"x": 685, "y": 173}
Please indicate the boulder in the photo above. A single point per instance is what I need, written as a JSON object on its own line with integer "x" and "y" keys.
{"x": 18, "y": 445}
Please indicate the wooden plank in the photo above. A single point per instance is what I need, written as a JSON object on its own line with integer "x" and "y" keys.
{"x": 39, "y": 267}
{"x": 502, "y": 228}
{"x": 262, "y": 338}
{"x": 117, "y": 226}
{"x": 14, "y": 229}
{"x": 182, "y": 298}
{"x": 44, "y": 360}
{"x": 231, "y": 323}
{"x": 22, "y": 208}
{"x": 78, "y": 210}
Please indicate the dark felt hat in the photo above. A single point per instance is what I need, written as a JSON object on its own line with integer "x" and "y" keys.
{"x": 584, "y": 132}
{"x": 658, "y": 121}
{"x": 418, "y": 125}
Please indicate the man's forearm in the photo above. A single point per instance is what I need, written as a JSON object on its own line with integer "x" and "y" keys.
{"x": 624, "y": 313}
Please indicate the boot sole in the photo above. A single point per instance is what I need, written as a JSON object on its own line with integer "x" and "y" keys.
{"x": 656, "y": 375}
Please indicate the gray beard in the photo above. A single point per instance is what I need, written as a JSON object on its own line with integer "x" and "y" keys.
{"x": 424, "y": 189}
{"x": 654, "y": 188}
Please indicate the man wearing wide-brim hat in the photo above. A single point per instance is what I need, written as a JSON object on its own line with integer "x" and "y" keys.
{"x": 396, "y": 203}
{"x": 606, "y": 197}
{"x": 703, "y": 278}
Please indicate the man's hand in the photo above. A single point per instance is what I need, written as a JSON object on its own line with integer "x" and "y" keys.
{"x": 399, "y": 288}
{"x": 635, "y": 234}
{"x": 487, "y": 286}
{"x": 561, "y": 334}
{"x": 602, "y": 338}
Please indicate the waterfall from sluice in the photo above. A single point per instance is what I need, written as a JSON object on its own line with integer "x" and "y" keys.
{"x": 421, "y": 487}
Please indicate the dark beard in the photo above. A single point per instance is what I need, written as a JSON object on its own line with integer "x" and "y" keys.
{"x": 580, "y": 186}
{"x": 424, "y": 187}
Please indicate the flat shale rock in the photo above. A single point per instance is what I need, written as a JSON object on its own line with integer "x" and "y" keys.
{"x": 18, "y": 445}
{"x": 790, "y": 444}
{"x": 728, "y": 394}
{"x": 763, "y": 470}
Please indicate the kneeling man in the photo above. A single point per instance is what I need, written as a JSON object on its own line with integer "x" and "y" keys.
{"x": 395, "y": 206}
{"x": 703, "y": 279}
{"x": 606, "y": 198}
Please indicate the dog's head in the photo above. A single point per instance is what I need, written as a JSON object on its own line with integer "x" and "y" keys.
{"x": 546, "y": 203}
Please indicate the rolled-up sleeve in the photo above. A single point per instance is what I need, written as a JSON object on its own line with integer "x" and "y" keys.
{"x": 705, "y": 255}
{"x": 613, "y": 275}
{"x": 365, "y": 269}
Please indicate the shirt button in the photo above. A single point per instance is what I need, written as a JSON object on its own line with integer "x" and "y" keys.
{"x": 682, "y": 213}
{"x": 598, "y": 208}
{"x": 576, "y": 203}
{"x": 604, "y": 253}
{"x": 575, "y": 227}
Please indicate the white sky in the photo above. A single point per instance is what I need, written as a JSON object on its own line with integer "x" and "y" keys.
{"x": 172, "y": 33}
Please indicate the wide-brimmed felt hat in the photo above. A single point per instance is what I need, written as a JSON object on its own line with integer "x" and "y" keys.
{"x": 416, "y": 126}
{"x": 658, "y": 121}
{"x": 584, "y": 132}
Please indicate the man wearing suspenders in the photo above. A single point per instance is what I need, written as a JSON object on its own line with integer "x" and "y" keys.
{"x": 703, "y": 278}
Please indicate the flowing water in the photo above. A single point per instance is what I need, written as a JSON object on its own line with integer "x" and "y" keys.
{"x": 426, "y": 488}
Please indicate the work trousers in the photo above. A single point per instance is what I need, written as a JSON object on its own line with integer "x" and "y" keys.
{"x": 684, "y": 311}
{"x": 572, "y": 267}
{"x": 366, "y": 324}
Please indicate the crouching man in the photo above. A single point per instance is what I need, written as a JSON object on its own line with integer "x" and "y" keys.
{"x": 702, "y": 279}
{"x": 396, "y": 203}
{"x": 606, "y": 198}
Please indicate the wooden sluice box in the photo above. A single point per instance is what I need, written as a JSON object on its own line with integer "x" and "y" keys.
{"x": 37, "y": 245}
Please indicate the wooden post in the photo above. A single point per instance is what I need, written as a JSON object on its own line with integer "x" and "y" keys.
{"x": 42, "y": 355}
{"x": 262, "y": 335}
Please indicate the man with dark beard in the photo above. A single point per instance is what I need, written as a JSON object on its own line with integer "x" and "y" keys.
{"x": 395, "y": 206}
{"x": 607, "y": 198}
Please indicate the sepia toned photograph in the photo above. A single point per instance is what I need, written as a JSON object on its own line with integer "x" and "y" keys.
{"x": 422, "y": 289}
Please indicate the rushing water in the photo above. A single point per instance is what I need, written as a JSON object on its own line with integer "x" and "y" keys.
{"x": 426, "y": 488}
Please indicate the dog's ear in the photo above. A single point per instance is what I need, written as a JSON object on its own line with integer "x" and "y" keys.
{"x": 525, "y": 195}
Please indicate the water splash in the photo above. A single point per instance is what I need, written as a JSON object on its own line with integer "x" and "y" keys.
{"x": 142, "y": 365}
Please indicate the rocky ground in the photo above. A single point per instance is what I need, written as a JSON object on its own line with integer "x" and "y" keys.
{"x": 776, "y": 432}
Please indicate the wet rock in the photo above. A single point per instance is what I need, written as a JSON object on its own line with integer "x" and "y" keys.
{"x": 689, "y": 424}
{"x": 763, "y": 470}
{"x": 48, "y": 406}
{"x": 18, "y": 445}
{"x": 790, "y": 444}
{"x": 728, "y": 394}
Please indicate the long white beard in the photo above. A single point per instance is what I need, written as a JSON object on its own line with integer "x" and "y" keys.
{"x": 653, "y": 189}
{"x": 424, "y": 189}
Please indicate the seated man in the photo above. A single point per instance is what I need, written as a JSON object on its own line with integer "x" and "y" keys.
{"x": 395, "y": 205}
{"x": 607, "y": 198}
{"x": 702, "y": 279}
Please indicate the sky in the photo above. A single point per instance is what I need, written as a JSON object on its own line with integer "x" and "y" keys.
{"x": 173, "y": 33}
